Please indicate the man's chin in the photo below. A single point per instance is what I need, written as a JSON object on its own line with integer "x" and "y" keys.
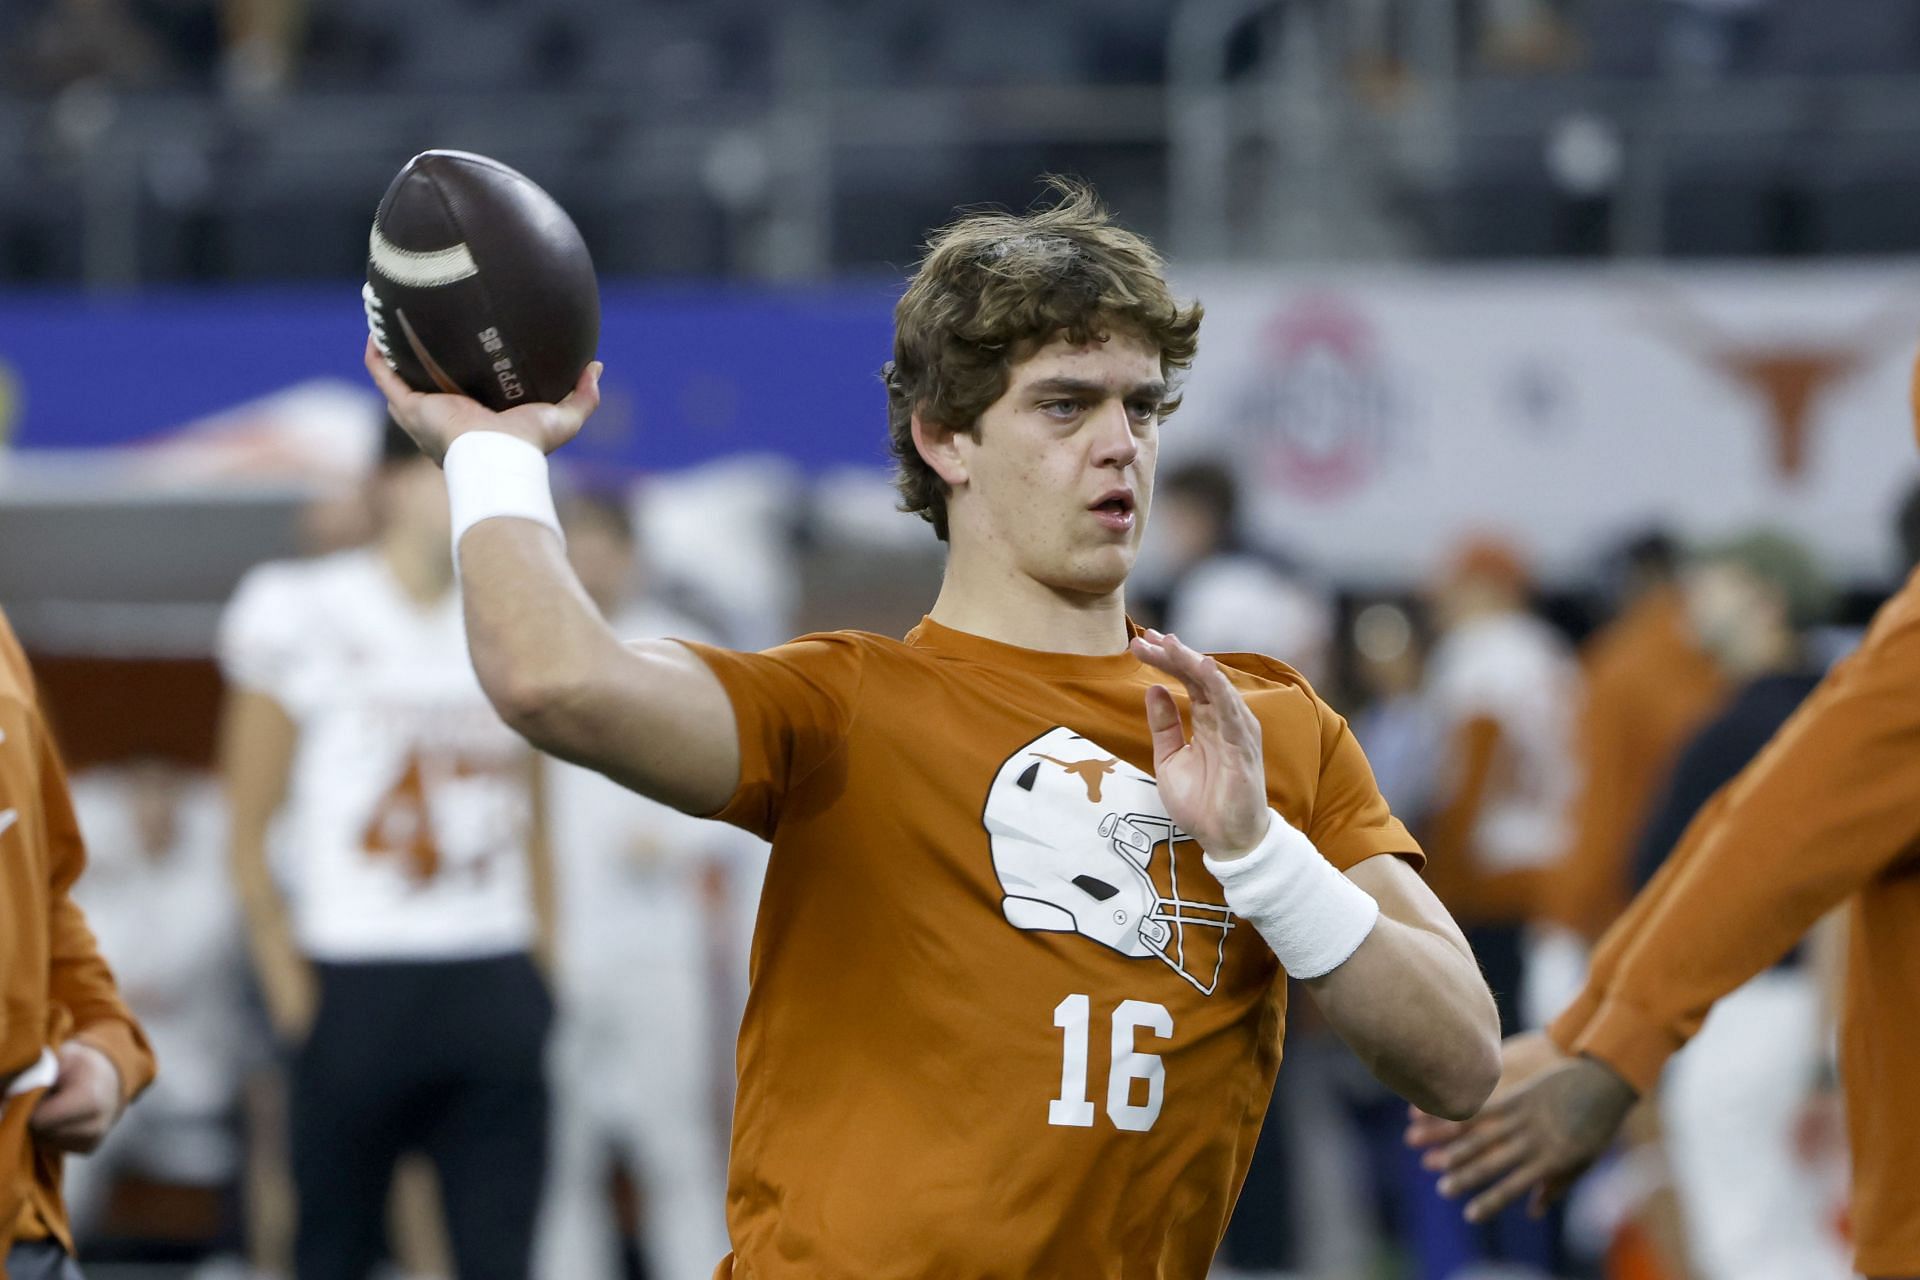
{"x": 1097, "y": 573}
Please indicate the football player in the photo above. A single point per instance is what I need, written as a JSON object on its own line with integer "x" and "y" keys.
{"x": 1037, "y": 878}
{"x": 71, "y": 1054}
{"x": 1825, "y": 815}
{"x": 398, "y": 960}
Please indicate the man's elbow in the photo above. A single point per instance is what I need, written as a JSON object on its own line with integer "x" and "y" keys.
{"x": 1459, "y": 1090}
{"x": 544, "y": 708}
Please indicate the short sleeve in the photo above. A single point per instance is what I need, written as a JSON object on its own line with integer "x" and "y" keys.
{"x": 792, "y": 707}
{"x": 1351, "y": 821}
{"x": 259, "y": 643}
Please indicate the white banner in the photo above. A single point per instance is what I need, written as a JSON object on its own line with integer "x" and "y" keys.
{"x": 1379, "y": 417}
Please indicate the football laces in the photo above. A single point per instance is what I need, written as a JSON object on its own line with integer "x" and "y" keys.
{"x": 377, "y": 323}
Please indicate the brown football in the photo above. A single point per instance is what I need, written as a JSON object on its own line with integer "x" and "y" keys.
{"x": 478, "y": 282}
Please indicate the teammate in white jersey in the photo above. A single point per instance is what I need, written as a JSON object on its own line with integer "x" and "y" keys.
{"x": 651, "y": 949}
{"x": 414, "y": 873}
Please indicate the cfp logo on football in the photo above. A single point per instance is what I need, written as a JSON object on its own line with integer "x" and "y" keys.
{"x": 1081, "y": 844}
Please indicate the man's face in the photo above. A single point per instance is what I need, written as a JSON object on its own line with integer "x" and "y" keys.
{"x": 1729, "y": 609}
{"x": 1059, "y": 480}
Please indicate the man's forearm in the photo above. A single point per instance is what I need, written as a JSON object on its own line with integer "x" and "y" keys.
{"x": 651, "y": 716}
{"x": 534, "y": 635}
{"x": 1413, "y": 1006}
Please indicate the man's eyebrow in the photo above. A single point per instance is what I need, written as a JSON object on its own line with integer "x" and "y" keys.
{"x": 1153, "y": 390}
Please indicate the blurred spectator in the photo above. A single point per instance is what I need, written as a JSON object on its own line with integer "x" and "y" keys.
{"x": 1501, "y": 686}
{"x": 1649, "y": 685}
{"x": 1228, "y": 596}
{"x": 1707, "y": 39}
{"x": 1524, "y": 36}
{"x": 246, "y": 45}
{"x": 634, "y": 1062}
{"x": 1394, "y": 724}
{"x": 403, "y": 974}
{"x": 1753, "y": 1208}
{"x": 160, "y": 902}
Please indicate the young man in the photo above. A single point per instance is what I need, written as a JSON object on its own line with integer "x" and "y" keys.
{"x": 1005, "y": 1018}
{"x": 1824, "y": 815}
{"x": 403, "y": 972}
{"x": 71, "y": 1055}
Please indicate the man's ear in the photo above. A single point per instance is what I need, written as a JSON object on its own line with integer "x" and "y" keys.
{"x": 939, "y": 448}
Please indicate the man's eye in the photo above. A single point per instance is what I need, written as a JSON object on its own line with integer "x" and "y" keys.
{"x": 1144, "y": 409}
{"x": 1060, "y": 408}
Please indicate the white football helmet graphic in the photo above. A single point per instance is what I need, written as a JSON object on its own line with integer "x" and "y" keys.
{"x": 1082, "y": 845}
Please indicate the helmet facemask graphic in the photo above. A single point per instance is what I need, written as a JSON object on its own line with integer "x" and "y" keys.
{"x": 1081, "y": 844}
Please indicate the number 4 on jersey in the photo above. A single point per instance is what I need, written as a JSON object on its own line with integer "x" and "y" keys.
{"x": 1072, "y": 1108}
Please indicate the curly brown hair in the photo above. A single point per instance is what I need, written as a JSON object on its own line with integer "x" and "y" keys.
{"x": 993, "y": 287}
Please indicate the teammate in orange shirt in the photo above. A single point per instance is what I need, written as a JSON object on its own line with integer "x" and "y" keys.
{"x": 1824, "y": 815}
{"x": 71, "y": 1054}
{"x": 1018, "y": 976}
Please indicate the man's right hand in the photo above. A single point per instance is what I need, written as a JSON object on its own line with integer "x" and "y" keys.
{"x": 436, "y": 420}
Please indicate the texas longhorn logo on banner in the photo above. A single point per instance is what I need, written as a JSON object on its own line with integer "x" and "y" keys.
{"x": 1788, "y": 377}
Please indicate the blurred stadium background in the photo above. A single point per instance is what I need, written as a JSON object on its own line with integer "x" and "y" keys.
{"x": 1502, "y": 290}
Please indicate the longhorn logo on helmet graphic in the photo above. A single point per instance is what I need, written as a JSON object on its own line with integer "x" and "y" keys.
{"x": 1081, "y": 844}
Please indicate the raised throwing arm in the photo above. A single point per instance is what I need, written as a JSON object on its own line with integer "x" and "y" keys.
{"x": 650, "y": 716}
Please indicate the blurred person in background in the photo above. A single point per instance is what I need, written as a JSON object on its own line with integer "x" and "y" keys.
{"x": 161, "y": 902}
{"x": 72, "y": 1057}
{"x": 1753, "y": 1207}
{"x": 635, "y": 1068}
{"x": 1648, "y": 686}
{"x": 1502, "y": 686}
{"x": 399, "y": 962}
{"x": 1823, "y": 816}
{"x": 1227, "y": 595}
{"x": 249, "y": 46}
{"x": 1710, "y": 39}
{"x": 1393, "y": 721}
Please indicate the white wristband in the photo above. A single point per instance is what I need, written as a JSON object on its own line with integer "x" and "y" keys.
{"x": 1312, "y": 916}
{"x": 491, "y": 474}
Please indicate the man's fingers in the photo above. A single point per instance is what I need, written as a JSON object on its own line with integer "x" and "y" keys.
{"x": 1424, "y": 1130}
{"x": 391, "y": 385}
{"x": 1163, "y": 722}
{"x": 565, "y": 419}
{"x": 1169, "y": 655}
{"x": 1491, "y": 1161}
{"x": 1156, "y": 655}
{"x": 1509, "y": 1189}
{"x": 59, "y": 1107}
{"x": 1478, "y": 1136}
{"x": 1550, "y": 1190}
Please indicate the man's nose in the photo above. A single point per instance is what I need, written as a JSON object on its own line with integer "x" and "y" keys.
{"x": 1115, "y": 445}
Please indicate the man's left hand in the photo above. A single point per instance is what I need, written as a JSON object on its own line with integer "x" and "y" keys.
{"x": 76, "y": 1113}
{"x": 1214, "y": 784}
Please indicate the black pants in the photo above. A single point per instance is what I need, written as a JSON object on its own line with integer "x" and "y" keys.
{"x": 442, "y": 1057}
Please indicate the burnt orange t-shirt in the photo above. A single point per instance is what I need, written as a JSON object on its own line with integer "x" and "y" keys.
{"x": 1001, "y": 1022}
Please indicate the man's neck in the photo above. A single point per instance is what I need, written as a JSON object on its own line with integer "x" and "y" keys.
{"x": 1014, "y": 609}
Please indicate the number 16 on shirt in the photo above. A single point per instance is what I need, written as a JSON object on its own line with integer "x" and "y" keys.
{"x": 1072, "y": 1108}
